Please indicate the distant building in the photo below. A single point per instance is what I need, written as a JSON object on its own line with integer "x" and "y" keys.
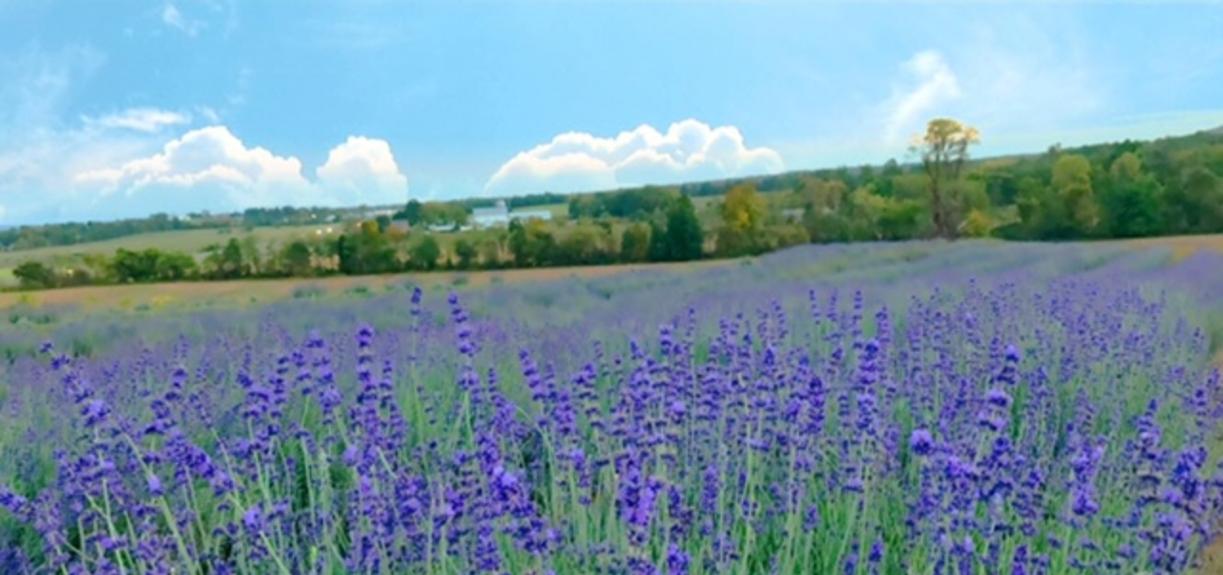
{"x": 494, "y": 217}
{"x": 499, "y": 216}
{"x": 526, "y": 215}
{"x": 792, "y": 215}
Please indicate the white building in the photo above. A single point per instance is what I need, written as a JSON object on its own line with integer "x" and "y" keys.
{"x": 500, "y": 216}
{"x": 494, "y": 217}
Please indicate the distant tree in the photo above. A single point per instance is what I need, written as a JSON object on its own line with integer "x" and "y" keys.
{"x": 583, "y": 245}
{"x": 943, "y": 150}
{"x": 1072, "y": 183}
{"x": 1131, "y": 201}
{"x": 384, "y": 222}
{"x": 743, "y": 212}
{"x": 635, "y": 243}
{"x": 660, "y": 249}
{"x": 252, "y": 257}
{"x": 295, "y": 259}
{"x": 1195, "y": 203}
{"x": 466, "y": 252}
{"x": 411, "y": 212}
{"x": 425, "y": 253}
{"x": 130, "y": 266}
{"x": 231, "y": 263}
{"x": 685, "y": 239}
{"x": 174, "y": 266}
{"x": 35, "y": 275}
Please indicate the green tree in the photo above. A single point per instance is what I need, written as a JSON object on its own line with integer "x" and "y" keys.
{"x": 635, "y": 243}
{"x": 231, "y": 263}
{"x": 174, "y": 266}
{"x": 743, "y": 212}
{"x": 425, "y": 253}
{"x": 1072, "y": 183}
{"x": 295, "y": 259}
{"x": 1131, "y": 202}
{"x": 466, "y": 252}
{"x": 130, "y": 266}
{"x": 943, "y": 150}
{"x": 411, "y": 212}
{"x": 1195, "y": 203}
{"x": 35, "y": 275}
{"x": 685, "y": 239}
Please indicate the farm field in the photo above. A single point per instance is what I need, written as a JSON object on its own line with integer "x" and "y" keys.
{"x": 187, "y": 241}
{"x": 896, "y": 408}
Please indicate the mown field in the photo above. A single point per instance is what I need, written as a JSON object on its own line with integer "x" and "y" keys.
{"x": 975, "y": 407}
{"x": 195, "y": 242}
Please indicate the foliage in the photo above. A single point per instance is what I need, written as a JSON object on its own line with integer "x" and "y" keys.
{"x": 944, "y": 150}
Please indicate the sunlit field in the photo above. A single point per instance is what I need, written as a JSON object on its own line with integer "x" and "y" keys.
{"x": 884, "y": 408}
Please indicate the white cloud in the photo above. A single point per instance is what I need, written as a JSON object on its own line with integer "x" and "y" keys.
{"x": 140, "y": 119}
{"x": 579, "y": 161}
{"x": 171, "y": 16}
{"x": 204, "y": 168}
{"x": 930, "y": 82}
{"x": 364, "y": 169}
{"x": 212, "y": 169}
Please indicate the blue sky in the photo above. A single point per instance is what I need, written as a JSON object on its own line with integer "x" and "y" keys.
{"x": 111, "y": 109}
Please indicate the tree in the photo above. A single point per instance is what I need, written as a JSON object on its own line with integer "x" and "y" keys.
{"x": 685, "y": 239}
{"x": 635, "y": 243}
{"x": 582, "y": 246}
{"x": 1072, "y": 183}
{"x": 943, "y": 150}
{"x": 1131, "y": 202}
{"x": 174, "y": 266}
{"x": 743, "y": 209}
{"x": 466, "y": 252}
{"x": 411, "y": 212}
{"x": 129, "y": 266}
{"x": 231, "y": 263}
{"x": 295, "y": 259}
{"x": 1195, "y": 203}
{"x": 743, "y": 213}
{"x": 35, "y": 275}
{"x": 425, "y": 253}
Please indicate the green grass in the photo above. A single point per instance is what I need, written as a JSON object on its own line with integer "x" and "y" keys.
{"x": 189, "y": 241}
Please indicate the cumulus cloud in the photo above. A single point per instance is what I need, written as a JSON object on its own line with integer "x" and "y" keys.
{"x": 929, "y": 82}
{"x": 212, "y": 169}
{"x": 579, "y": 161}
{"x": 140, "y": 119}
{"x": 194, "y": 169}
{"x": 364, "y": 168}
{"x": 172, "y": 17}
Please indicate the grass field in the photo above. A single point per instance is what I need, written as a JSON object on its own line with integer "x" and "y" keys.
{"x": 188, "y": 241}
{"x": 187, "y": 295}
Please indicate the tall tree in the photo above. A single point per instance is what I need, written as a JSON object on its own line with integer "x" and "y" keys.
{"x": 743, "y": 213}
{"x": 1072, "y": 183}
{"x": 685, "y": 239}
{"x": 943, "y": 150}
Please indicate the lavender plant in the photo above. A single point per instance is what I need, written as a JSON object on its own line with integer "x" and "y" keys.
{"x": 1044, "y": 418}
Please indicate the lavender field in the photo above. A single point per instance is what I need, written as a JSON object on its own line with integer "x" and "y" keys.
{"x": 903, "y": 408}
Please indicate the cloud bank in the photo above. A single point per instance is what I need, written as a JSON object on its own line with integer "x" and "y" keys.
{"x": 211, "y": 168}
{"x": 578, "y": 161}
{"x": 363, "y": 167}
